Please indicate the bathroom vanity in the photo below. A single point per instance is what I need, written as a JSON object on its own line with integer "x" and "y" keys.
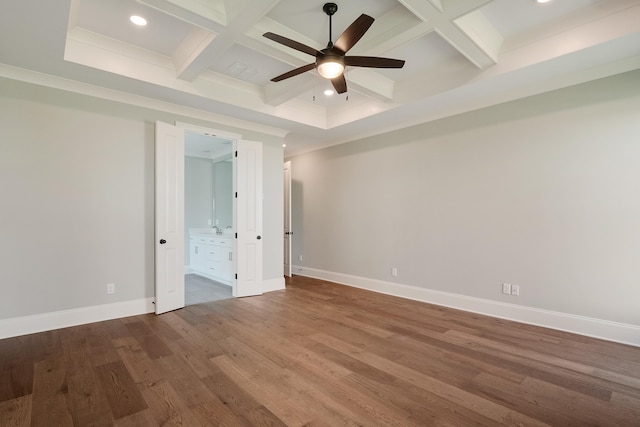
{"x": 211, "y": 255}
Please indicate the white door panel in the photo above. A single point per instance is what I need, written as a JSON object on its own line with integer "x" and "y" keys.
{"x": 169, "y": 226}
{"x": 248, "y": 216}
{"x": 287, "y": 219}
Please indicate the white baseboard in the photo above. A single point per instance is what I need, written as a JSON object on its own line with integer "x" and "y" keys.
{"x": 597, "y": 328}
{"x": 78, "y": 316}
{"x": 273, "y": 284}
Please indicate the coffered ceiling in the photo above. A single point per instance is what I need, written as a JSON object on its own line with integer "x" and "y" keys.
{"x": 210, "y": 55}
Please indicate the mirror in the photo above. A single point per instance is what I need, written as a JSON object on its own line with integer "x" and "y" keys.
{"x": 208, "y": 181}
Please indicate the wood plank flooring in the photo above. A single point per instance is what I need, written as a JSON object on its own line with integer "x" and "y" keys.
{"x": 317, "y": 354}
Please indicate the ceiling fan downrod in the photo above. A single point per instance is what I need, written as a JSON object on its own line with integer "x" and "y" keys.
{"x": 330, "y": 9}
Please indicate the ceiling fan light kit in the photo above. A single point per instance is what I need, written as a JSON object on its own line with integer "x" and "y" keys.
{"x": 331, "y": 61}
{"x": 330, "y": 66}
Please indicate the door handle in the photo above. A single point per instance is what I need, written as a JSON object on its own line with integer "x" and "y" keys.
{"x": 162, "y": 241}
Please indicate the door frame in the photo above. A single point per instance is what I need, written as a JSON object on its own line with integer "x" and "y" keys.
{"x": 288, "y": 233}
{"x": 234, "y": 138}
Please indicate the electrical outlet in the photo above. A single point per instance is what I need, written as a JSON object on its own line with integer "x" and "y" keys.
{"x": 300, "y": 258}
{"x": 394, "y": 271}
{"x": 515, "y": 290}
{"x": 111, "y": 288}
{"x": 506, "y": 288}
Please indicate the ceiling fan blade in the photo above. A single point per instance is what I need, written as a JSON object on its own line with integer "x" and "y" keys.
{"x": 373, "y": 62}
{"x": 340, "y": 84}
{"x": 295, "y": 72}
{"x": 353, "y": 33}
{"x": 292, "y": 44}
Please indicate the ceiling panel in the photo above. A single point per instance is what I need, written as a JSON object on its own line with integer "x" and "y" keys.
{"x": 163, "y": 33}
{"x": 512, "y": 17}
{"x": 249, "y": 65}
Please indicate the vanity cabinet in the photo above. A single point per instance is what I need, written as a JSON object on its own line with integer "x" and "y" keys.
{"x": 212, "y": 257}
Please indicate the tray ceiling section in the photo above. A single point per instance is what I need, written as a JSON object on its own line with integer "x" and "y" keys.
{"x": 215, "y": 49}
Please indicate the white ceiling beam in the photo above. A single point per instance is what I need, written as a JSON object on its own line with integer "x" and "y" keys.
{"x": 237, "y": 25}
{"x": 476, "y": 46}
{"x": 393, "y": 29}
{"x": 278, "y": 93}
{"x": 480, "y": 31}
{"x": 255, "y": 40}
{"x": 191, "y": 48}
{"x": 367, "y": 81}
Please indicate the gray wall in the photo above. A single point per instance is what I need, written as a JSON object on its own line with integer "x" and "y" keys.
{"x": 223, "y": 190}
{"x": 77, "y": 194}
{"x": 543, "y": 192}
{"x": 198, "y": 197}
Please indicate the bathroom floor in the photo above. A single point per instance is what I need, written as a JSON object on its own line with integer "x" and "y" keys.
{"x": 199, "y": 289}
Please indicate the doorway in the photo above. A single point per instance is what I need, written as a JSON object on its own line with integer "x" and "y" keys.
{"x": 242, "y": 257}
{"x": 208, "y": 214}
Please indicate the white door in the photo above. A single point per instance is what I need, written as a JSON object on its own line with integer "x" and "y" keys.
{"x": 247, "y": 185}
{"x": 169, "y": 232}
{"x": 287, "y": 219}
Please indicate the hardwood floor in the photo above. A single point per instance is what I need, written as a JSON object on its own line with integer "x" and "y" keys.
{"x": 317, "y": 354}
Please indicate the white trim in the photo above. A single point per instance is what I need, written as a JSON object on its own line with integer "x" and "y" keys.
{"x": 204, "y": 130}
{"x": 78, "y": 316}
{"x": 588, "y": 326}
{"x": 48, "y": 80}
{"x": 273, "y": 285}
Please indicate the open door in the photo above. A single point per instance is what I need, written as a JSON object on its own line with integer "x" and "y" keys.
{"x": 247, "y": 185}
{"x": 169, "y": 230}
{"x": 287, "y": 219}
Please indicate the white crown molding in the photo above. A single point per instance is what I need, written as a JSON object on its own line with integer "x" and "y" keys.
{"x": 587, "y": 326}
{"x": 28, "y": 76}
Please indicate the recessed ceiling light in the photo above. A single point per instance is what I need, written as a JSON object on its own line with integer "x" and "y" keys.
{"x": 138, "y": 20}
{"x": 329, "y": 92}
{"x": 543, "y": 1}
{"x": 284, "y": 145}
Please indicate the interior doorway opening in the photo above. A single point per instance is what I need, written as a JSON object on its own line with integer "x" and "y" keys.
{"x": 208, "y": 208}
{"x": 239, "y": 248}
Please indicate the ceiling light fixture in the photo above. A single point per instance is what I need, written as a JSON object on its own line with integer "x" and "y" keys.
{"x": 329, "y": 92}
{"x": 330, "y": 66}
{"x": 138, "y": 20}
{"x": 543, "y": 1}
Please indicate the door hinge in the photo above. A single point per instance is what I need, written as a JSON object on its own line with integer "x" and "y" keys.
{"x": 236, "y": 235}
{"x": 236, "y": 276}
{"x": 236, "y": 194}
{"x": 236, "y": 153}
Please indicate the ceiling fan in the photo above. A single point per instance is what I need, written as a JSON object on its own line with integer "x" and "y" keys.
{"x": 332, "y": 60}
